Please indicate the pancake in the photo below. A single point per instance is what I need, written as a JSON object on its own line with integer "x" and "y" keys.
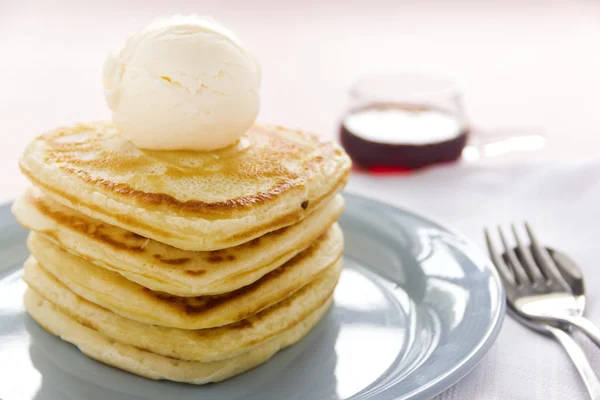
{"x": 272, "y": 178}
{"x": 161, "y": 267}
{"x": 151, "y": 365}
{"x": 131, "y": 300}
{"x": 205, "y": 345}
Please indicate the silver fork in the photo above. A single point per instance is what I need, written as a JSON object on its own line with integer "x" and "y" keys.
{"x": 528, "y": 291}
{"x": 536, "y": 286}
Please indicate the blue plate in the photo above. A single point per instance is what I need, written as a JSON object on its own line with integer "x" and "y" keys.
{"x": 416, "y": 308}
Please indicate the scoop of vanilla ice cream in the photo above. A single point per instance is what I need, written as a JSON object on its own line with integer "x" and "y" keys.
{"x": 183, "y": 83}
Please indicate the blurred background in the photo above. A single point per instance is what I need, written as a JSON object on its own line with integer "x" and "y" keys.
{"x": 521, "y": 64}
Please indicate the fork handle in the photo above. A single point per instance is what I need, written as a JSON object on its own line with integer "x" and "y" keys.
{"x": 580, "y": 360}
{"x": 587, "y": 327}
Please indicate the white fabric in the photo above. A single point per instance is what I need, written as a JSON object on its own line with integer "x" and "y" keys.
{"x": 562, "y": 203}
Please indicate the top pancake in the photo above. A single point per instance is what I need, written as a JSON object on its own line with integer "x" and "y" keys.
{"x": 273, "y": 177}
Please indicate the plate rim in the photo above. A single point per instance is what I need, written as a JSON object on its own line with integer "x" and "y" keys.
{"x": 470, "y": 360}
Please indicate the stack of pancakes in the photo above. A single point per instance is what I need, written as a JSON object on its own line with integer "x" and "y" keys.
{"x": 181, "y": 265}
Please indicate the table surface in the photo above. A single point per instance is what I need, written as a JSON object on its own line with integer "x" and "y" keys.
{"x": 521, "y": 65}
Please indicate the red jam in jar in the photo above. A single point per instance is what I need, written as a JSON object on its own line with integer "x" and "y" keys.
{"x": 400, "y": 137}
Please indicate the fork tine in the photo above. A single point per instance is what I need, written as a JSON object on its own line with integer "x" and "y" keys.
{"x": 521, "y": 276}
{"x": 544, "y": 261}
{"x": 499, "y": 263}
{"x": 528, "y": 261}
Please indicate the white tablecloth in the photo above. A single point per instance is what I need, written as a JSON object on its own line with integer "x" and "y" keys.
{"x": 562, "y": 202}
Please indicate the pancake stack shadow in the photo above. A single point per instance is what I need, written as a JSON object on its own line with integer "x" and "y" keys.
{"x": 191, "y": 267}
